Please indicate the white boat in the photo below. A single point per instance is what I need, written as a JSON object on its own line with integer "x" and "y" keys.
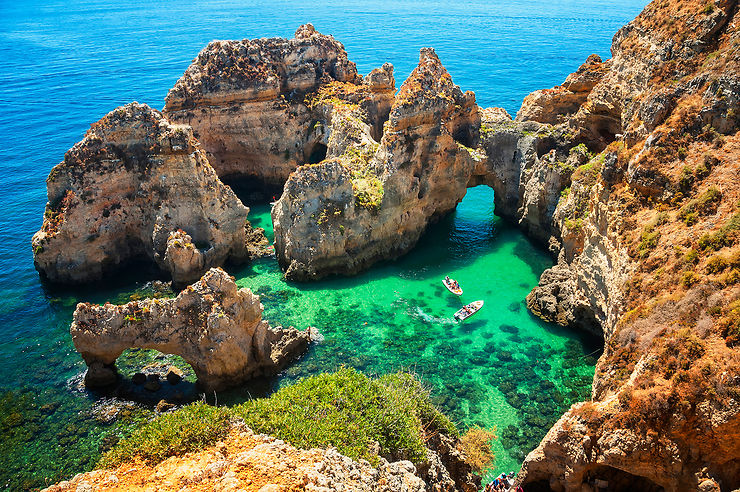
{"x": 468, "y": 310}
{"x": 449, "y": 283}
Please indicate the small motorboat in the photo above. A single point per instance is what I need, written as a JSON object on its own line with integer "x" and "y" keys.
{"x": 452, "y": 286}
{"x": 468, "y": 310}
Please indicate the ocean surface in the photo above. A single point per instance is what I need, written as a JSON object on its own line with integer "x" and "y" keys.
{"x": 66, "y": 64}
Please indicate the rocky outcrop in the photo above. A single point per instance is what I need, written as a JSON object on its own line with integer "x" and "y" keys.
{"x": 372, "y": 200}
{"x": 246, "y": 461}
{"x": 249, "y": 102}
{"x": 137, "y": 187}
{"x": 647, "y": 245}
{"x": 215, "y": 326}
{"x": 555, "y": 105}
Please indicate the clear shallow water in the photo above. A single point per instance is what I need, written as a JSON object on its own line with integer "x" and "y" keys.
{"x": 64, "y": 66}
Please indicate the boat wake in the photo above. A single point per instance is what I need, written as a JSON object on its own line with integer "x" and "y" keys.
{"x": 418, "y": 313}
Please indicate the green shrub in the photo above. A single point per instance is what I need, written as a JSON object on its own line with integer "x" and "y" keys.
{"x": 730, "y": 324}
{"x": 706, "y": 204}
{"x": 686, "y": 179}
{"x": 689, "y": 218}
{"x": 188, "y": 429}
{"x": 709, "y": 200}
{"x": 648, "y": 240}
{"x": 345, "y": 409}
{"x": 701, "y": 171}
{"x": 716, "y": 264}
{"x": 588, "y": 173}
{"x": 349, "y": 411}
{"x": 688, "y": 279}
{"x": 692, "y": 256}
{"x": 730, "y": 278}
{"x": 726, "y": 236}
{"x": 734, "y": 259}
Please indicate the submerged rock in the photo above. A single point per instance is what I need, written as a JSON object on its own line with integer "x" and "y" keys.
{"x": 215, "y": 326}
{"x": 137, "y": 187}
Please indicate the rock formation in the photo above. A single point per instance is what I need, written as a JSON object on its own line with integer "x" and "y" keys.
{"x": 627, "y": 172}
{"x": 647, "y": 241}
{"x": 372, "y": 200}
{"x": 137, "y": 187}
{"x": 245, "y": 461}
{"x": 246, "y": 101}
{"x": 215, "y": 326}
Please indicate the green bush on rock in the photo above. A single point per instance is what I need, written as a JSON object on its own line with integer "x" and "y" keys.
{"x": 349, "y": 411}
{"x": 188, "y": 429}
{"x": 345, "y": 409}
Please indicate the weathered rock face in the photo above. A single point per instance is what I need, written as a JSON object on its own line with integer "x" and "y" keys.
{"x": 135, "y": 187}
{"x": 372, "y": 200}
{"x": 215, "y": 326}
{"x": 246, "y": 461}
{"x": 648, "y": 247}
{"x": 246, "y": 101}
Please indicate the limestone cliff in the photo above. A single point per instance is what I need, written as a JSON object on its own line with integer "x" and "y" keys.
{"x": 246, "y": 101}
{"x": 372, "y": 200}
{"x": 137, "y": 187}
{"x": 215, "y": 326}
{"x": 647, "y": 237}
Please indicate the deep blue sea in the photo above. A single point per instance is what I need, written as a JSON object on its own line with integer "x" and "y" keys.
{"x": 64, "y": 64}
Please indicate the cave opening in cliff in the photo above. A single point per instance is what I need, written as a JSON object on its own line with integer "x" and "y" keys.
{"x": 317, "y": 154}
{"x": 602, "y": 478}
{"x": 252, "y": 190}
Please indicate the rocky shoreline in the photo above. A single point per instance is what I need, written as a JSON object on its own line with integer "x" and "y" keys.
{"x": 627, "y": 172}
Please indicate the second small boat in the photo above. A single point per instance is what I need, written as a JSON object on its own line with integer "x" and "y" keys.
{"x": 468, "y": 310}
{"x": 452, "y": 286}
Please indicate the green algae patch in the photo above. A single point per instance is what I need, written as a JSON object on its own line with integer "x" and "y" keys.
{"x": 188, "y": 429}
{"x": 351, "y": 412}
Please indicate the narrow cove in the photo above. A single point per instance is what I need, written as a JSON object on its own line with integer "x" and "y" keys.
{"x": 502, "y": 367}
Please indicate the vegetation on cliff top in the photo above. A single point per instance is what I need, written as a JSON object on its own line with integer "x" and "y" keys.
{"x": 345, "y": 409}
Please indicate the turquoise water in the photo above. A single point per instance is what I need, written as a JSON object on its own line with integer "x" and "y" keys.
{"x": 66, "y": 65}
{"x": 502, "y": 367}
